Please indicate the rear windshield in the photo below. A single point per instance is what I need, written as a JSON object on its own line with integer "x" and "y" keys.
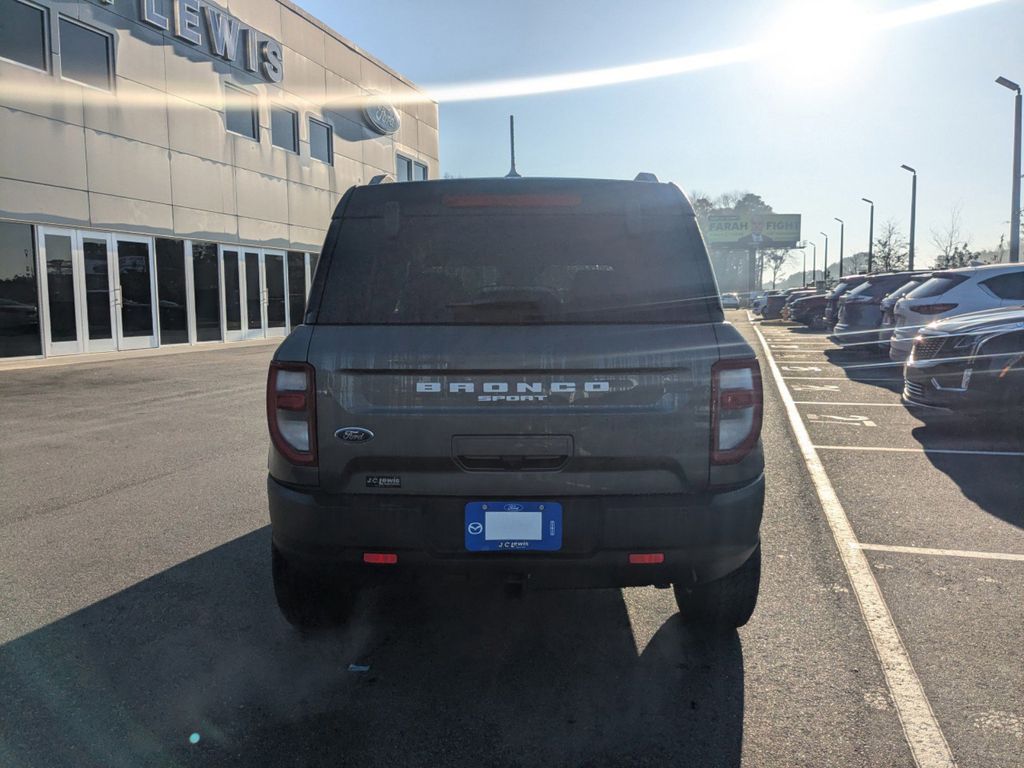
{"x": 876, "y": 288}
{"x": 904, "y": 289}
{"x": 936, "y": 286}
{"x": 516, "y": 267}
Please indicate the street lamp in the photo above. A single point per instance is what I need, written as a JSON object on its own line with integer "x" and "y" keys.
{"x": 814, "y": 261}
{"x": 826, "y": 256}
{"x": 1015, "y": 202}
{"x": 871, "y": 232}
{"x": 913, "y": 215}
{"x": 842, "y": 237}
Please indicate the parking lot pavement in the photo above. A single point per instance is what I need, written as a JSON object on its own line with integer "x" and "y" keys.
{"x": 936, "y": 508}
{"x": 137, "y": 616}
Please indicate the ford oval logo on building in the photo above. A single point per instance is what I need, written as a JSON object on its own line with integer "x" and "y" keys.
{"x": 382, "y": 117}
{"x": 354, "y": 435}
{"x": 513, "y": 507}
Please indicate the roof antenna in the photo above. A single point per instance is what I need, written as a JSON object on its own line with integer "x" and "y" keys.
{"x": 512, "y": 174}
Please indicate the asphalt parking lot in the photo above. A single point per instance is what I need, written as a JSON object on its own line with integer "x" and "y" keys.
{"x": 937, "y": 508}
{"x": 137, "y": 622}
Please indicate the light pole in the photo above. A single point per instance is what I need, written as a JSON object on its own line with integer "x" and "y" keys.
{"x": 842, "y": 237}
{"x": 826, "y": 257}
{"x": 871, "y": 233}
{"x": 814, "y": 261}
{"x": 913, "y": 215}
{"x": 1015, "y": 203}
{"x": 802, "y": 247}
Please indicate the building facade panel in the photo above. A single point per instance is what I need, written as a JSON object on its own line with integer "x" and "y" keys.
{"x": 132, "y": 111}
{"x": 55, "y": 155}
{"x": 224, "y": 128}
{"x": 202, "y": 184}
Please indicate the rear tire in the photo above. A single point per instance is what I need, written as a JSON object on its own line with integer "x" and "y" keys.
{"x": 726, "y": 603}
{"x": 309, "y": 599}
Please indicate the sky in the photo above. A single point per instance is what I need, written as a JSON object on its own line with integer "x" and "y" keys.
{"x": 820, "y": 113}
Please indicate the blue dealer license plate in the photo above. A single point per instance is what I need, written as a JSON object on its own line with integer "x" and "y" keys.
{"x": 513, "y": 526}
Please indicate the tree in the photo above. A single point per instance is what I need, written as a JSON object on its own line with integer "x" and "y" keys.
{"x": 890, "y": 249}
{"x": 731, "y": 266}
{"x": 775, "y": 259}
{"x": 857, "y": 263}
{"x": 954, "y": 248}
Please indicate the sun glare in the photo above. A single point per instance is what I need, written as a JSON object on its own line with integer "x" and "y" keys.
{"x": 817, "y": 42}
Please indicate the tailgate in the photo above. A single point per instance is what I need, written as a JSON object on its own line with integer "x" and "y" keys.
{"x": 541, "y": 411}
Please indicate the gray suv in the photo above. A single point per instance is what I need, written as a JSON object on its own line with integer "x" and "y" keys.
{"x": 524, "y": 380}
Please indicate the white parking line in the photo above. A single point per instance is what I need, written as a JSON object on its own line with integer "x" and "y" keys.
{"x": 865, "y": 405}
{"x": 886, "y": 449}
{"x": 927, "y": 744}
{"x": 843, "y": 378}
{"x": 940, "y": 552}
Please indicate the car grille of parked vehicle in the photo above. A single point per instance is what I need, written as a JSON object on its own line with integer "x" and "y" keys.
{"x": 936, "y": 347}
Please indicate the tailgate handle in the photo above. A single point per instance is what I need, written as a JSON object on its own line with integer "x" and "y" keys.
{"x": 512, "y": 453}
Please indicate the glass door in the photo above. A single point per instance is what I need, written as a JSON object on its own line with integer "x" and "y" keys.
{"x": 252, "y": 280}
{"x": 232, "y": 267}
{"x": 275, "y": 295}
{"x": 60, "y": 271}
{"x": 98, "y": 284}
{"x": 134, "y": 289}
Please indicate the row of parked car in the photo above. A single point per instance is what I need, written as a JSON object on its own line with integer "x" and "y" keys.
{"x": 958, "y": 332}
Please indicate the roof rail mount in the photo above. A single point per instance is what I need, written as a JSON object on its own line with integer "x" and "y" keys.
{"x": 382, "y": 178}
{"x": 645, "y": 176}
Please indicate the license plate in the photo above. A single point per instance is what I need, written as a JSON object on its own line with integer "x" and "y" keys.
{"x": 513, "y": 526}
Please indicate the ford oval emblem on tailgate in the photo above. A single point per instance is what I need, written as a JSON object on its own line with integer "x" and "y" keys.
{"x": 354, "y": 434}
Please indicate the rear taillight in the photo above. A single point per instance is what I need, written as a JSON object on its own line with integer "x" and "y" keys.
{"x": 932, "y": 309}
{"x": 291, "y": 411}
{"x": 736, "y": 405}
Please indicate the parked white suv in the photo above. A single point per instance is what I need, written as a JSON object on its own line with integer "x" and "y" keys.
{"x": 954, "y": 292}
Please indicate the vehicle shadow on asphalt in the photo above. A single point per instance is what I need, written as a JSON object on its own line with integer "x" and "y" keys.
{"x": 455, "y": 676}
{"x": 866, "y": 366}
{"x": 995, "y": 484}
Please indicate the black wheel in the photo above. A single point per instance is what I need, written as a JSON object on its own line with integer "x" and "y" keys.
{"x": 309, "y": 599}
{"x": 723, "y": 604}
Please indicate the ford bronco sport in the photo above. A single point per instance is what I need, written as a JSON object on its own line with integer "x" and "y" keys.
{"x": 529, "y": 380}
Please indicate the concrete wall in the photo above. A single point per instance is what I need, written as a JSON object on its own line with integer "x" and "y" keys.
{"x": 154, "y": 157}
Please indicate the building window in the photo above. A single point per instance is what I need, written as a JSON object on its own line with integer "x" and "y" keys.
{"x": 407, "y": 169}
{"x": 240, "y": 111}
{"x": 19, "y": 292}
{"x": 23, "y": 34}
{"x": 170, "y": 288}
{"x": 284, "y": 129}
{"x": 403, "y": 168}
{"x": 85, "y": 55}
{"x": 321, "y": 141}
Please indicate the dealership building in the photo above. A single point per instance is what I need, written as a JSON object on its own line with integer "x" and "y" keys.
{"x": 168, "y": 168}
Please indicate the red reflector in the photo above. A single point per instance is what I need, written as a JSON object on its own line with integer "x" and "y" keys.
{"x": 652, "y": 558}
{"x": 734, "y": 399}
{"x": 380, "y": 558}
{"x": 291, "y": 401}
{"x": 511, "y": 201}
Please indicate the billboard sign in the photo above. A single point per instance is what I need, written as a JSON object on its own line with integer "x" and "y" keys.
{"x": 743, "y": 229}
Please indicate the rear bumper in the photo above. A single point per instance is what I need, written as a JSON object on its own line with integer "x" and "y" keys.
{"x": 703, "y": 537}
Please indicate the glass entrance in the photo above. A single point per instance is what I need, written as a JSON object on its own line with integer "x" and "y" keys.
{"x": 61, "y": 272}
{"x": 275, "y": 294}
{"x": 253, "y": 280}
{"x": 99, "y": 303}
{"x": 134, "y": 290}
{"x": 232, "y": 267}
